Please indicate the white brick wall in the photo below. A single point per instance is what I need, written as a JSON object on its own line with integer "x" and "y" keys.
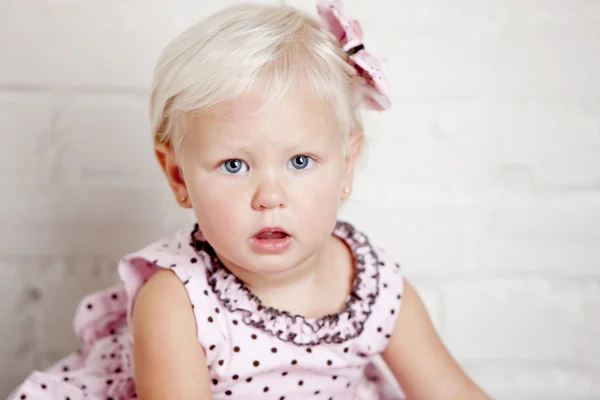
{"x": 484, "y": 180}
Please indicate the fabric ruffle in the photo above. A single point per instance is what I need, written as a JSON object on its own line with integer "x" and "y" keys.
{"x": 335, "y": 328}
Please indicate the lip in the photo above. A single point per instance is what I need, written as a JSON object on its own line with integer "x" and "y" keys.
{"x": 271, "y": 245}
{"x": 271, "y": 229}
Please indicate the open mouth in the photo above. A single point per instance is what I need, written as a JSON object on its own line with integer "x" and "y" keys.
{"x": 269, "y": 234}
{"x": 271, "y": 240}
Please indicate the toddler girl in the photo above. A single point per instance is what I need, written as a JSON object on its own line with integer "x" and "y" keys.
{"x": 256, "y": 121}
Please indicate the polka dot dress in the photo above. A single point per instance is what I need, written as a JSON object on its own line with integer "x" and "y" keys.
{"x": 253, "y": 351}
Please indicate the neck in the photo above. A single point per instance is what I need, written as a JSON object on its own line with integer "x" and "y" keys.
{"x": 303, "y": 278}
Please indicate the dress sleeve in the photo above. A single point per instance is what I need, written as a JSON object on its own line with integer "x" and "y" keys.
{"x": 177, "y": 256}
{"x": 381, "y": 323}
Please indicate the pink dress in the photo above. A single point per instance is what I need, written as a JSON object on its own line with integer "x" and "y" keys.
{"x": 253, "y": 351}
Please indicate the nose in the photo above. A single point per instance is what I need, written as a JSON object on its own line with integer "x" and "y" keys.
{"x": 269, "y": 195}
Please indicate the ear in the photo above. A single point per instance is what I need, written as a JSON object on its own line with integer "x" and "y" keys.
{"x": 168, "y": 162}
{"x": 354, "y": 147}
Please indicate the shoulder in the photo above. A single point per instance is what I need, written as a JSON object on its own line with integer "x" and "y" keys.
{"x": 168, "y": 358}
{"x": 378, "y": 288}
{"x": 176, "y": 254}
{"x": 385, "y": 267}
{"x": 151, "y": 313}
{"x": 170, "y": 280}
{"x": 150, "y": 302}
{"x": 378, "y": 272}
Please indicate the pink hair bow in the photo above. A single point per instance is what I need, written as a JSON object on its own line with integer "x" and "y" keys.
{"x": 370, "y": 68}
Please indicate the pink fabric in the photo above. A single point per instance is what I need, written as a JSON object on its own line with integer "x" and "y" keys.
{"x": 370, "y": 68}
{"x": 253, "y": 351}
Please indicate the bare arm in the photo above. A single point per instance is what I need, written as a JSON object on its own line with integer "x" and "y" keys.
{"x": 420, "y": 362}
{"x": 169, "y": 361}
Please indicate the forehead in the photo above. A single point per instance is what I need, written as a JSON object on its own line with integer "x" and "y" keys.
{"x": 295, "y": 118}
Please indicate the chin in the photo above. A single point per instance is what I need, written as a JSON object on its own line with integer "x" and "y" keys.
{"x": 271, "y": 264}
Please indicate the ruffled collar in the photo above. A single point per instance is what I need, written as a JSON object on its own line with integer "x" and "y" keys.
{"x": 334, "y": 328}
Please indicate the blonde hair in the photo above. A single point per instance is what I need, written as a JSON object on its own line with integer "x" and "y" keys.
{"x": 275, "y": 48}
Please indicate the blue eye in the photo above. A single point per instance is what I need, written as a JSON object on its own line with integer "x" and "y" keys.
{"x": 301, "y": 162}
{"x": 233, "y": 166}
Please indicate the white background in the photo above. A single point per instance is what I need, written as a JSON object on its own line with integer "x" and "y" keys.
{"x": 483, "y": 180}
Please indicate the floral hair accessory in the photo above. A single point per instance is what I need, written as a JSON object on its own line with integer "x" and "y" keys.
{"x": 370, "y": 68}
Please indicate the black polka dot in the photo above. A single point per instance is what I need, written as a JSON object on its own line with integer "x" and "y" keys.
{"x": 66, "y": 379}
{"x": 186, "y": 281}
{"x": 300, "y": 383}
{"x": 210, "y": 319}
{"x": 109, "y": 398}
{"x": 249, "y": 380}
{"x": 329, "y": 362}
{"x": 217, "y": 310}
{"x": 23, "y": 396}
{"x": 385, "y": 285}
{"x": 118, "y": 371}
{"x": 273, "y": 350}
{"x": 334, "y": 377}
{"x": 253, "y": 336}
{"x": 228, "y": 393}
{"x": 387, "y": 336}
{"x": 67, "y": 398}
{"x": 43, "y": 385}
{"x": 212, "y": 347}
{"x": 235, "y": 377}
{"x": 112, "y": 332}
{"x": 90, "y": 306}
{"x": 215, "y": 381}
{"x": 346, "y": 350}
{"x": 256, "y": 363}
{"x": 348, "y": 384}
{"x": 294, "y": 362}
{"x": 379, "y": 329}
{"x": 266, "y": 389}
{"x": 398, "y": 297}
{"x": 65, "y": 368}
{"x": 283, "y": 373}
{"x": 259, "y": 308}
{"x": 83, "y": 387}
{"x": 282, "y": 398}
{"x": 235, "y": 322}
{"x": 392, "y": 312}
{"x": 317, "y": 392}
{"x": 109, "y": 381}
{"x": 309, "y": 350}
{"x": 114, "y": 296}
{"x": 221, "y": 362}
{"x": 194, "y": 260}
{"x": 236, "y": 349}
{"x": 206, "y": 292}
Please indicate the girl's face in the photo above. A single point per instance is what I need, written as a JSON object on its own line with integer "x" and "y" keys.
{"x": 284, "y": 169}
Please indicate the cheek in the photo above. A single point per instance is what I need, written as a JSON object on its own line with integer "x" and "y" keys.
{"x": 323, "y": 190}
{"x": 217, "y": 216}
